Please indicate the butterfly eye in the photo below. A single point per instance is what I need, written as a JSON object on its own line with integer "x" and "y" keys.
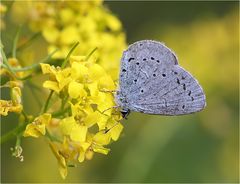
{"x": 164, "y": 75}
{"x": 152, "y": 58}
{"x": 144, "y": 59}
{"x": 124, "y": 70}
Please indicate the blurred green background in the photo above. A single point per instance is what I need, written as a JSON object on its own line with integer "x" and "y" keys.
{"x": 202, "y": 147}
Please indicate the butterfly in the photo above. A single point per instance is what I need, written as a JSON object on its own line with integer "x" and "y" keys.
{"x": 152, "y": 82}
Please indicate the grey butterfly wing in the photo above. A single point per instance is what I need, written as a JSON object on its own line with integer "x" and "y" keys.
{"x": 179, "y": 94}
{"x": 151, "y": 81}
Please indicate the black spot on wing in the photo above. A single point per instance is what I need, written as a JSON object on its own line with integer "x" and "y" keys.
{"x": 130, "y": 59}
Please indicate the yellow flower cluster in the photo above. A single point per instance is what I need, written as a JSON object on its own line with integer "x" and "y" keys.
{"x": 78, "y": 117}
{"x": 63, "y": 23}
{"x": 13, "y": 105}
{"x": 3, "y": 10}
{"x": 86, "y": 122}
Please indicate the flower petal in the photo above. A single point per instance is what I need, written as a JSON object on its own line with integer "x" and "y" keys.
{"x": 102, "y": 150}
{"x": 34, "y": 131}
{"x": 102, "y": 138}
{"x": 79, "y": 133}
{"x": 76, "y": 89}
{"x": 67, "y": 124}
{"x": 51, "y": 85}
{"x": 61, "y": 160}
{"x": 116, "y": 131}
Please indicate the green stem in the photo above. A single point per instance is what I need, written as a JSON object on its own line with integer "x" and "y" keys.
{"x": 69, "y": 54}
{"x": 15, "y": 41}
{"x": 47, "y": 102}
{"x": 25, "y": 115}
{"x": 51, "y": 137}
{"x": 5, "y": 62}
{"x": 64, "y": 100}
{"x": 91, "y": 53}
{"x": 26, "y": 68}
{"x": 36, "y": 65}
{"x": 26, "y": 43}
{"x": 59, "y": 113}
{"x": 18, "y": 142}
{"x": 3, "y": 65}
{"x": 13, "y": 133}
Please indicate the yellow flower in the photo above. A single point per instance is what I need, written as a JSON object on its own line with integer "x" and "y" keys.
{"x": 76, "y": 131}
{"x": 8, "y": 106}
{"x": 85, "y": 84}
{"x": 83, "y": 150}
{"x": 69, "y": 35}
{"x": 115, "y": 128}
{"x": 61, "y": 160}
{"x": 91, "y": 122}
{"x": 63, "y": 23}
{"x": 102, "y": 138}
{"x": 106, "y": 83}
{"x": 95, "y": 117}
{"x": 12, "y": 84}
{"x": 76, "y": 90}
{"x": 104, "y": 101}
{"x": 84, "y": 121}
{"x": 3, "y": 10}
{"x": 66, "y": 15}
{"x": 95, "y": 72}
{"x": 100, "y": 149}
{"x": 16, "y": 95}
{"x": 79, "y": 71}
{"x": 13, "y": 62}
{"x": 51, "y": 85}
{"x": 51, "y": 34}
{"x": 61, "y": 78}
{"x": 38, "y": 126}
{"x": 13, "y": 105}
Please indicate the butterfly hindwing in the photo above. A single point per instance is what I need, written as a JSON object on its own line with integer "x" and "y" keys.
{"x": 181, "y": 94}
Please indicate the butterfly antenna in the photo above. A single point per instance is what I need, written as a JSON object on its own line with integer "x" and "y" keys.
{"x": 107, "y": 130}
{"x": 108, "y": 91}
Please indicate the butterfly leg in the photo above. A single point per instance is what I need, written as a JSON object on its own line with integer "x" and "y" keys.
{"x": 113, "y": 107}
